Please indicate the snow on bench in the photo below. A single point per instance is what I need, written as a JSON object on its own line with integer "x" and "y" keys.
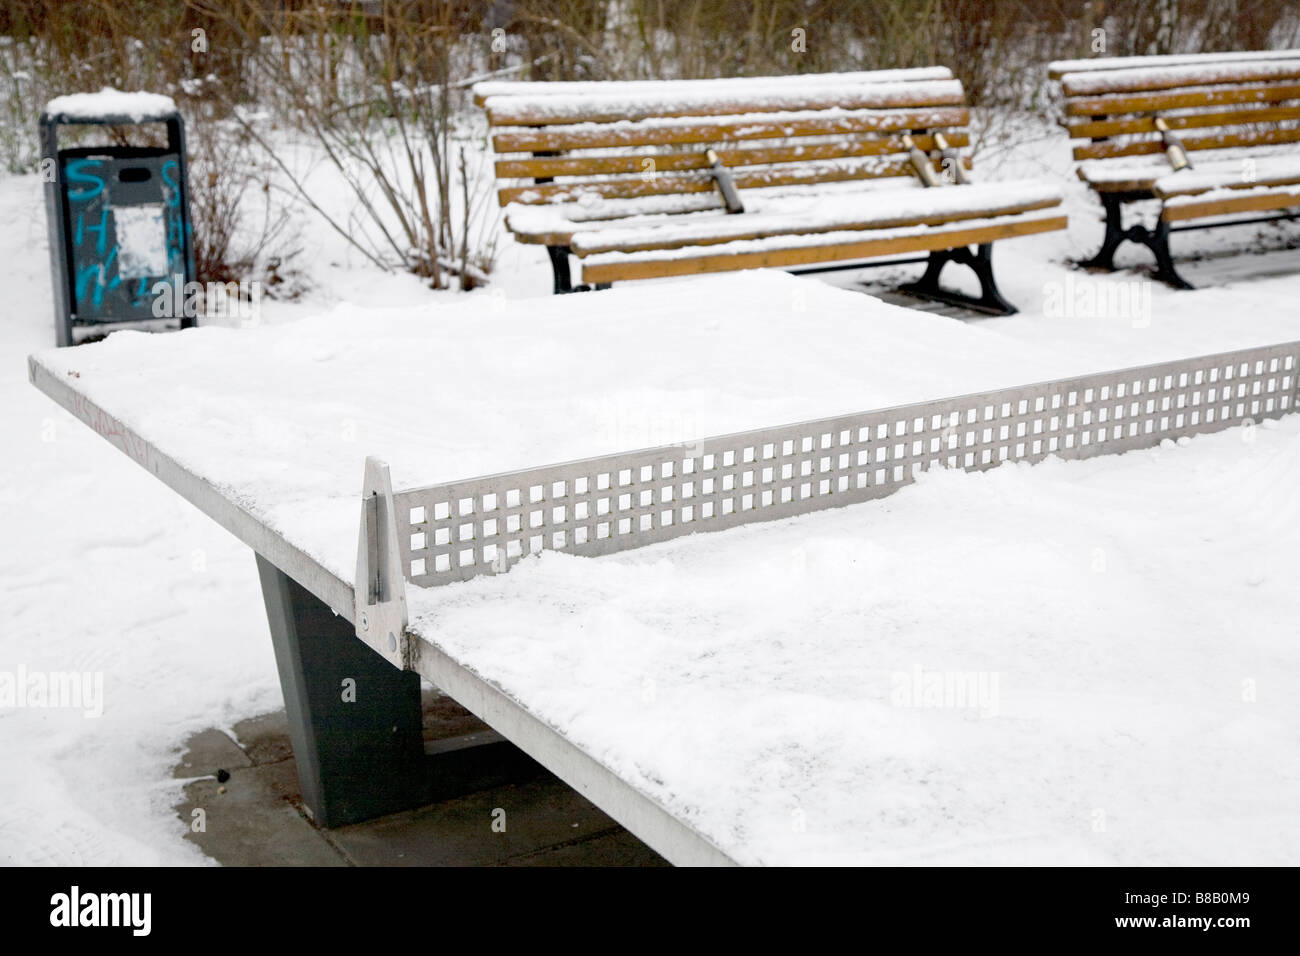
{"x": 1214, "y": 123}
{"x": 1218, "y": 167}
{"x": 1059, "y": 68}
{"x": 1243, "y": 174}
{"x": 647, "y": 150}
{"x": 1148, "y": 78}
{"x": 1216, "y": 202}
{"x": 555, "y": 224}
{"x": 613, "y": 138}
{"x": 886, "y": 209}
{"x": 550, "y": 108}
{"x": 489, "y": 88}
{"x": 802, "y": 248}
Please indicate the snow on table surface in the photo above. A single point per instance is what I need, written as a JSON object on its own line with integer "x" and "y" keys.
{"x": 281, "y": 418}
{"x": 139, "y": 105}
{"x": 790, "y": 689}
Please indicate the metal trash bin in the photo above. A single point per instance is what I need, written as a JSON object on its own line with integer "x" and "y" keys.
{"x": 118, "y": 216}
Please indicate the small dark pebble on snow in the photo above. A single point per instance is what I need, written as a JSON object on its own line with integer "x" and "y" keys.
{"x": 223, "y": 776}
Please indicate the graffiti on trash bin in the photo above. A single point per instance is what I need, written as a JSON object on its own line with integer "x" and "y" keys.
{"x": 119, "y": 250}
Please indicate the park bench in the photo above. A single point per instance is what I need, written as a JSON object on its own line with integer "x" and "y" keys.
{"x": 1234, "y": 117}
{"x": 622, "y": 176}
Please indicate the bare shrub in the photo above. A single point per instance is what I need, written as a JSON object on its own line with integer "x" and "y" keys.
{"x": 241, "y": 225}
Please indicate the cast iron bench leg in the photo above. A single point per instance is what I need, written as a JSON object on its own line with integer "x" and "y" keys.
{"x": 1165, "y": 271}
{"x": 1157, "y": 240}
{"x": 1105, "y": 257}
{"x": 980, "y": 261}
{"x": 562, "y": 278}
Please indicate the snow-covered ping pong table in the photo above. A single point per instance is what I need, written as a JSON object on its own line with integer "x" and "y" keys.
{"x": 808, "y": 691}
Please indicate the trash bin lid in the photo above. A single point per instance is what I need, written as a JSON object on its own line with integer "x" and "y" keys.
{"x": 110, "y": 107}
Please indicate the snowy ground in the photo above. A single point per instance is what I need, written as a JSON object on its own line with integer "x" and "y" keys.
{"x": 104, "y": 570}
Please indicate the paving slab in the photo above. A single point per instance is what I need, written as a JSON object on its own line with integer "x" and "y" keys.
{"x": 209, "y": 751}
{"x": 486, "y": 828}
{"x": 619, "y": 848}
{"x": 251, "y": 820}
{"x": 265, "y": 739}
{"x": 255, "y": 816}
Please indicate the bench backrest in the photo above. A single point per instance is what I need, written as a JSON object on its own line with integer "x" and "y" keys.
{"x": 557, "y": 142}
{"x": 1210, "y": 101}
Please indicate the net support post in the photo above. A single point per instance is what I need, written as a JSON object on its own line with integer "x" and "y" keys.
{"x": 380, "y": 584}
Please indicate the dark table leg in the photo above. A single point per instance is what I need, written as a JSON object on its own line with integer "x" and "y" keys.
{"x": 355, "y": 721}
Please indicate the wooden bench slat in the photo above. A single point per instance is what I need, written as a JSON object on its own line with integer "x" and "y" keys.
{"x": 612, "y": 267}
{"x": 567, "y": 110}
{"x": 488, "y": 88}
{"x": 584, "y": 165}
{"x": 1181, "y": 99}
{"x": 1059, "y": 68}
{"x": 861, "y": 214}
{"x": 1098, "y": 129}
{"x": 1271, "y": 171}
{"x": 748, "y": 178}
{"x": 1113, "y": 176}
{"x": 1150, "y": 79}
{"x": 1221, "y": 205}
{"x": 1250, "y": 138}
{"x": 763, "y": 126}
{"x": 1130, "y": 183}
{"x": 554, "y": 224}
